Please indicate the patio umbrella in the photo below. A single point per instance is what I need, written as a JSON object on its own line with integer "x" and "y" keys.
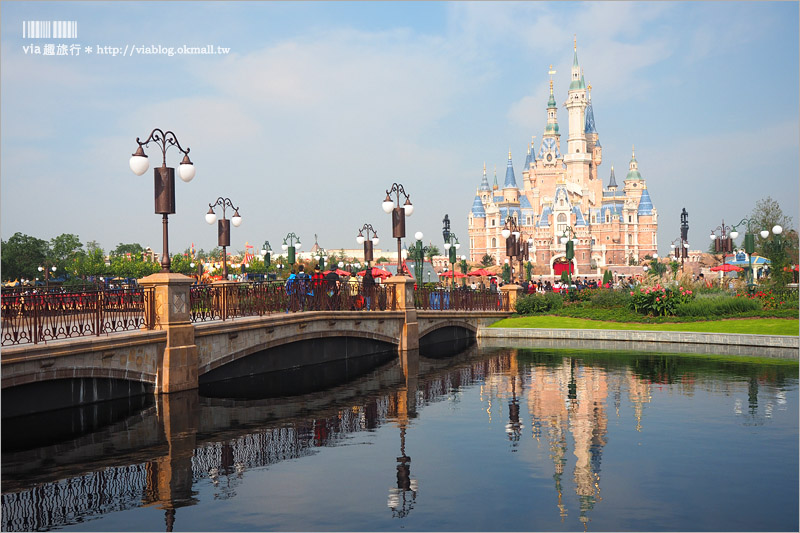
{"x": 339, "y": 272}
{"x": 377, "y": 273}
{"x": 451, "y": 274}
{"x": 727, "y": 267}
{"x": 479, "y": 272}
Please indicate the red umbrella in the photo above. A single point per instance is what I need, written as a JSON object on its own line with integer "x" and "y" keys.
{"x": 453, "y": 273}
{"x": 479, "y": 272}
{"x": 338, "y": 272}
{"x": 377, "y": 273}
{"x": 727, "y": 267}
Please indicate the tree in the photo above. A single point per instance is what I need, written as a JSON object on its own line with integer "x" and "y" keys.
{"x": 487, "y": 260}
{"x": 135, "y": 249}
{"x": 63, "y": 250}
{"x": 22, "y": 255}
{"x": 432, "y": 251}
{"x": 781, "y": 250}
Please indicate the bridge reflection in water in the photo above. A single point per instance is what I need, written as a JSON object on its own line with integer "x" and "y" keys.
{"x": 159, "y": 455}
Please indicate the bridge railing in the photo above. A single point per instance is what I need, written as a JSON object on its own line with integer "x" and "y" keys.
{"x": 460, "y": 299}
{"x": 41, "y": 317}
{"x": 224, "y": 301}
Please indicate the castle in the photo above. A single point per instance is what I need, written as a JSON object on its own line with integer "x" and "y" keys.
{"x": 562, "y": 195}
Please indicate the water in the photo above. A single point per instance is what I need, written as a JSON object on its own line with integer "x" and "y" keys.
{"x": 487, "y": 440}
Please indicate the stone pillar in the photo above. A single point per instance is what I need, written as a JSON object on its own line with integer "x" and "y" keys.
{"x": 178, "y": 366}
{"x": 514, "y": 292}
{"x": 404, "y": 301}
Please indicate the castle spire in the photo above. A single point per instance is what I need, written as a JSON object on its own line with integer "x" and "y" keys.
{"x": 511, "y": 182}
{"x": 495, "y": 187}
{"x": 484, "y": 182}
{"x": 612, "y": 181}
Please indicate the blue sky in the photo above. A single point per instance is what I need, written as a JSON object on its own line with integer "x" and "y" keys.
{"x": 319, "y": 107}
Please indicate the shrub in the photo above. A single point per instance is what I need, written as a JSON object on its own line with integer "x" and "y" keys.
{"x": 532, "y": 303}
{"x": 718, "y": 305}
{"x": 607, "y": 299}
{"x": 555, "y": 300}
{"x": 658, "y": 300}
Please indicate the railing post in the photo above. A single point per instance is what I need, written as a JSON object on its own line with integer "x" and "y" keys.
{"x": 512, "y": 292}
{"x": 404, "y": 301}
{"x": 178, "y": 366}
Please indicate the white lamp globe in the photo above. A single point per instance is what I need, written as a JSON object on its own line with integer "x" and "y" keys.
{"x": 655, "y": 256}
{"x": 298, "y": 245}
{"x": 211, "y": 218}
{"x": 457, "y": 245}
{"x": 341, "y": 264}
{"x": 139, "y": 164}
{"x": 236, "y": 220}
{"x": 463, "y": 257}
{"x": 563, "y": 240}
{"x": 447, "y": 246}
{"x": 672, "y": 246}
{"x": 40, "y": 269}
{"x": 777, "y": 230}
{"x": 734, "y": 234}
{"x": 387, "y": 206}
{"x": 516, "y": 234}
{"x": 375, "y": 241}
{"x": 360, "y": 239}
{"x": 418, "y": 235}
{"x": 186, "y": 172}
{"x": 409, "y": 208}
{"x": 505, "y": 233}
{"x": 284, "y": 247}
{"x": 263, "y": 252}
{"x": 764, "y": 234}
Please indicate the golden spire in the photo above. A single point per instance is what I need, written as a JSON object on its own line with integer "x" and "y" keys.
{"x": 484, "y": 167}
{"x": 575, "y": 41}
{"x": 633, "y": 151}
{"x": 509, "y": 153}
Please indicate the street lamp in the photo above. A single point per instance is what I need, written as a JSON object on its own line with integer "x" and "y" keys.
{"x": 569, "y": 250}
{"x": 451, "y": 244}
{"x": 418, "y": 253}
{"x": 368, "y": 241}
{"x": 321, "y": 255}
{"x": 723, "y": 243}
{"x": 290, "y": 248}
{"x": 47, "y": 274}
{"x": 223, "y": 228}
{"x": 516, "y": 245}
{"x": 164, "y": 180}
{"x": 398, "y": 218}
{"x": 266, "y": 250}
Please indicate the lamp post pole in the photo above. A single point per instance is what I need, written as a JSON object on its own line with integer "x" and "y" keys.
{"x": 47, "y": 271}
{"x": 291, "y": 247}
{"x": 223, "y": 228}
{"x": 568, "y": 240}
{"x": 368, "y": 242}
{"x": 451, "y": 245}
{"x": 685, "y": 236}
{"x": 512, "y": 235}
{"x": 398, "y": 218}
{"x": 723, "y": 243}
{"x": 266, "y": 253}
{"x": 419, "y": 257}
{"x": 164, "y": 180}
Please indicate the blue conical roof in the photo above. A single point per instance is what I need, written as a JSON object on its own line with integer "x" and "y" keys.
{"x": 645, "y": 204}
{"x": 485, "y": 181}
{"x": 528, "y": 160}
{"x": 477, "y": 208}
{"x": 511, "y": 182}
{"x": 589, "y": 123}
{"x": 612, "y": 182}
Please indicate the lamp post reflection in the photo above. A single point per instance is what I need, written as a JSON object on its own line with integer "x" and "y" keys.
{"x": 403, "y": 497}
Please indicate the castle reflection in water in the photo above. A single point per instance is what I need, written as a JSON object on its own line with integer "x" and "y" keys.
{"x": 156, "y": 457}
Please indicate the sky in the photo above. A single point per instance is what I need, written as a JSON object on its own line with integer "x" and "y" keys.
{"x": 317, "y": 108}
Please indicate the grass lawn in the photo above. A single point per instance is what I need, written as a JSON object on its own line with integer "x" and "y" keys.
{"x": 759, "y": 326}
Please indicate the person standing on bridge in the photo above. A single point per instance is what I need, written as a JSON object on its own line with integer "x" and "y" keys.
{"x": 332, "y": 289}
{"x": 368, "y": 288}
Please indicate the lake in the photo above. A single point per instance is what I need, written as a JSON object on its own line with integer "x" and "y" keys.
{"x": 489, "y": 439}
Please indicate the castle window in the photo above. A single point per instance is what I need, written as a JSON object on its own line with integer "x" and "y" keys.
{"x": 594, "y": 219}
{"x": 527, "y": 221}
{"x": 494, "y": 242}
{"x": 630, "y": 218}
{"x": 493, "y": 221}
{"x": 607, "y": 220}
{"x": 583, "y": 255}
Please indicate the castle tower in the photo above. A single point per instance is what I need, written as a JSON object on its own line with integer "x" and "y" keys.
{"x": 550, "y": 150}
{"x": 577, "y": 158}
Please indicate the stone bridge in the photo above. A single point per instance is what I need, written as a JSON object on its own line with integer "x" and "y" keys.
{"x": 183, "y": 356}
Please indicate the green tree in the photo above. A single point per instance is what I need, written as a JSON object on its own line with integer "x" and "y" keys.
{"x": 135, "y": 249}
{"x": 487, "y": 260}
{"x": 22, "y": 255}
{"x": 92, "y": 262}
{"x": 62, "y": 251}
{"x": 432, "y": 251}
{"x": 781, "y": 250}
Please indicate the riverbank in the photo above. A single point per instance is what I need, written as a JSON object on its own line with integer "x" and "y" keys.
{"x": 752, "y": 326}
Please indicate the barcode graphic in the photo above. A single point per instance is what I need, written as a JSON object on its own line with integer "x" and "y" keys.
{"x": 50, "y": 29}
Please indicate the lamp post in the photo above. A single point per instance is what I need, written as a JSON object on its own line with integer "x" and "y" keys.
{"x": 47, "y": 274}
{"x": 293, "y": 245}
{"x": 451, "y": 245}
{"x": 568, "y": 240}
{"x": 368, "y": 242}
{"x": 684, "y": 236}
{"x": 398, "y": 218}
{"x": 515, "y": 249}
{"x": 723, "y": 243}
{"x": 224, "y": 228}
{"x": 164, "y": 180}
{"x": 266, "y": 250}
{"x": 418, "y": 252}
{"x": 321, "y": 255}
{"x": 775, "y": 248}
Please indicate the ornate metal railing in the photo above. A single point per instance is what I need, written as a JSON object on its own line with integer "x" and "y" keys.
{"x": 46, "y": 316}
{"x": 460, "y": 300}
{"x": 223, "y": 301}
